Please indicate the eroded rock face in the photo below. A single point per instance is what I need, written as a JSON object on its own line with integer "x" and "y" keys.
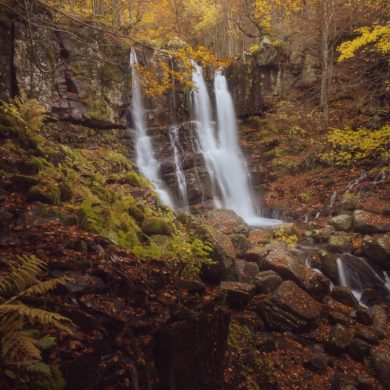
{"x": 290, "y": 308}
{"x": 227, "y": 221}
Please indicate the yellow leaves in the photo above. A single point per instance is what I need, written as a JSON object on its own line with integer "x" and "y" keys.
{"x": 265, "y": 9}
{"x": 378, "y": 37}
{"x": 156, "y": 83}
{"x": 353, "y": 146}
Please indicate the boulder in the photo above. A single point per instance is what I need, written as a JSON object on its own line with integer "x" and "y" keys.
{"x": 267, "y": 281}
{"x": 358, "y": 349}
{"x": 318, "y": 361}
{"x": 238, "y": 294}
{"x": 247, "y": 271}
{"x": 241, "y": 244}
{"x": 192, "y": 286}
{"x": 227, "y": 221}
{"x": 377, "y": 249}
{"x": 49, "y": 194}
{"x": 340, "y": 243}
{"x": 223, "y": 256}
{"x": 365, "y": 222}
{"x": 367, "y": 335}
{"x": 329, "y": 265}
{"x": 344, "y": 295}
{"x": 315, "y": 283}
{"x": 379, "y": 316}
{"x": 82, "y": 284}
{"x": 380, "y": 361}
{"x": 289, "y": 308}
{"x": 335, "y": 317}
{"x": 363, "y": 316}
{"x": 282, "y": 262}
{"x": 255, "y": 254}
{"x": 156, "y": 226}
{"x": 339, "y": 338}
{"x": 342, "y": 222}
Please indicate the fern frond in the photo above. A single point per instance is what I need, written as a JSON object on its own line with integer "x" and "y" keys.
{"x": 38, "y": 316}
{"x": 40, "y": 288}
{"x": 23, "y": 274}
{"x": 17, "y": 344}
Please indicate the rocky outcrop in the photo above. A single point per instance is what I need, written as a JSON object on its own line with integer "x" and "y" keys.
{"x": 289, "y": 308}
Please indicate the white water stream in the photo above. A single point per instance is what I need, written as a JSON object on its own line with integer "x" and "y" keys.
{"x": 181, "y": 179}
{"x": 146, "y": 161}
{"x": 224, "y": 161}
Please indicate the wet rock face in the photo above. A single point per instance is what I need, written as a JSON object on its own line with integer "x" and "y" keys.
{"x": 76, "y": 84}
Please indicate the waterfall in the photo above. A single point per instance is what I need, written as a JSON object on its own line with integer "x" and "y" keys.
{"x": 181, "y": 179}
{"x": 146, "y": 161}
{"x": 357, "y": 274}
{"x": 224, "y": 161}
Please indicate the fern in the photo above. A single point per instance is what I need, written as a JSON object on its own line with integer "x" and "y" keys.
{"x": 17, "y": 343}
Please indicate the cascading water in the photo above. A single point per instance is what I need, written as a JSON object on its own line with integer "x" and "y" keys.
{"x": 222, "y": 154}
{"x": 181, "y": 179}
{"x": 357, "y": 274}
{"x": 146, "y": 161}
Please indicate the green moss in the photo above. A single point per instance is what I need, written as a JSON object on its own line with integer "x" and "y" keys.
{"x": 89, "y": 217}
{"x": 45, "y": 193}
{"x": 104, "y": 194}
{"x": 128, "y": 240}
{"x": 155, "y": 225}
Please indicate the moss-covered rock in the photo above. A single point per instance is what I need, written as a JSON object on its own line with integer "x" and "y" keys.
{"x": 104, "y": 194}
{"x": 128, "y": 240}
{"x": 155, "y": 225}
{"x": 49, "y": 194}
{"x": 34, "y": 165}
{"x": 66, "y": 192}
{"x": 24, "y": 182}
{"x": 136, "y": 211}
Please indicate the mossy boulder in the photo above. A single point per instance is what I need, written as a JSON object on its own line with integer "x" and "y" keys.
{"x": 24, "y": 182}
{"x": 34, "y": 165}
{"x": 49, "y": 194}
{"x": 104, "y": 194}
{"x": 156, "y": 226}
{"x": 66, "y": 192}
{"x": 136, "y": 211}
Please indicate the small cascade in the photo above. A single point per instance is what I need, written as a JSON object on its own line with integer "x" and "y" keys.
{"x": 356, "y": 181}
{"x": 224, "y": 161}
{"x": 356, "y": 274}
{"x": 180, "y": 177}
{"x": 333, "y": 199}
{"x": 146, "y": 161}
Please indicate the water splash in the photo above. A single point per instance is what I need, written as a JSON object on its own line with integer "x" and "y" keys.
{"x": 146, "y": 161}
{"x": 221, "y": 151}
{"x": 181, "y": 179}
